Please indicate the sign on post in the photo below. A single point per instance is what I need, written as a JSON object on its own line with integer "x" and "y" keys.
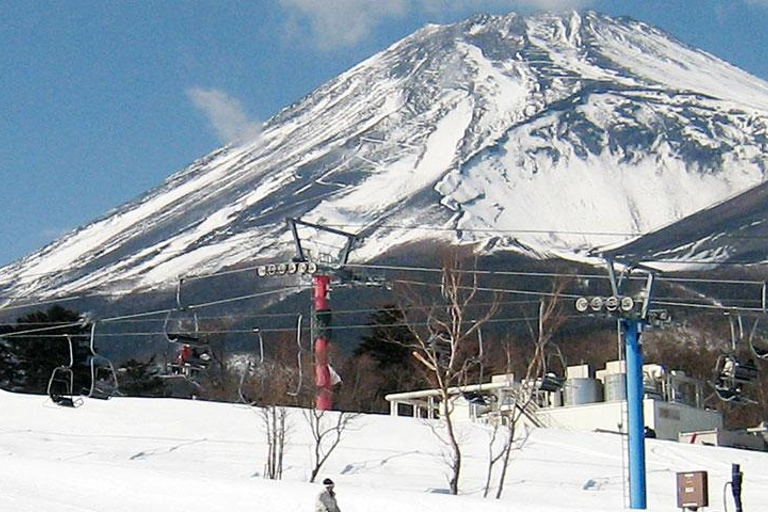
{"x": 692, "y": 490}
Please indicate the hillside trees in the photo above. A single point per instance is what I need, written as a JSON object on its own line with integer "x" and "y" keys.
{"x": 381, "y": 363}
{"x": 386, "y": 343}
{"x": 140, "y": 378}
{"x": 38, "y": 343}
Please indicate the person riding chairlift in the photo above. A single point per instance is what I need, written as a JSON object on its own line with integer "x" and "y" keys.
{"x": 185, "y": 352}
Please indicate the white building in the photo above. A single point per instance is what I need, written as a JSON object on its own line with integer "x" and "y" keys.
{"x": 672, "y": 404}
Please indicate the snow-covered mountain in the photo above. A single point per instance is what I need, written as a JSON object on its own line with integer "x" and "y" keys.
{"x": 544, "y": 135}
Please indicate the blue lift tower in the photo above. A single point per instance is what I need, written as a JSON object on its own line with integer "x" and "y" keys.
{"x": 633, "y": 313}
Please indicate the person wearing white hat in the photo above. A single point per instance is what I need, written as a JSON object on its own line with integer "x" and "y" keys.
{"x": 326, "y": 500}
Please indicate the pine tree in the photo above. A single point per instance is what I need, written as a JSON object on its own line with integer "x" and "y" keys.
{"x": 38, "y": 343}
{"x": 140, "y": 378}
{"x": 389, "y": 338}
{"x": 382, "y": 364}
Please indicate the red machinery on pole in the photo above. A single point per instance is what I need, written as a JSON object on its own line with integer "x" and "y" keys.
{"x": 322, "y": 317}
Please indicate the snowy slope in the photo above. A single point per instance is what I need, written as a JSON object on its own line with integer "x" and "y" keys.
{"x": 729, "y": 232}
{"x": 547, "y": 135}
{"x": 157, "y": 455}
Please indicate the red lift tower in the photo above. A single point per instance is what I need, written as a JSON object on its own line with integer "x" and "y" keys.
{"x": 321, "y": 311}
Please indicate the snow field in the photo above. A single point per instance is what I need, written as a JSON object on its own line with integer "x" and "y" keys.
{"x": 159, "y": 455}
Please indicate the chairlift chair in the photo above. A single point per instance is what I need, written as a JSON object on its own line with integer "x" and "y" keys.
{"x": 62, "y": 382}
{"x": 246, "y": 372}
{"x": 200, "y": 357}
{"x": 299, "y": 321}
{"x": 760, "y": 351}
{"x": 193, "y": 352}
{"x": 474, "y": 398}
{"x": 103, "y": 379}
{"x": 730, "y": 375}
{"x": 190, "y": 360}
{"x": 552, "y": 381}
{"x": 185, "y": 337}
{"x": 104, "y": 383}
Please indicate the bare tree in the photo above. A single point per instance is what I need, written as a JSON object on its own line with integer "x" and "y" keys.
{"x": 507, "y": 434}
{"x": 505, "y": 427}
{"x": 444, "y": 342}
{"x": 274, "y": 419}
{"x": 268, "y": 385}
{"x": 550, "y": 319}
{"x": 328, "y": 428}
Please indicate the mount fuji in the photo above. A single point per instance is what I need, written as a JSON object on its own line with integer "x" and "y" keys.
{"x": 545, "y": 136}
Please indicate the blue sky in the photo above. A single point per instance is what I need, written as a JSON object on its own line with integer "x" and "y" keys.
{"x": 102, "y": 100}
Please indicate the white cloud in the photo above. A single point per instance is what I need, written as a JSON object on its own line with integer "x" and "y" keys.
{"x": 226, "y": 115}
{"x": 481, "y": 5}
{"x": 340, "y": 23}
{"x": 557, "y": 5}
{"x": 337, "y": 23}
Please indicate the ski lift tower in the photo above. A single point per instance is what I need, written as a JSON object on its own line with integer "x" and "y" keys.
{"x": 327, "y": 263}
{"x": 632, "y": 312}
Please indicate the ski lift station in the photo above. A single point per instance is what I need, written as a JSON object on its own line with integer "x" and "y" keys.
{"x": 673, "y": 403}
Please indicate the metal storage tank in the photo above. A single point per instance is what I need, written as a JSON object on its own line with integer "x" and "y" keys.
{"x": 615, "y": 387}
{"x": 683, "y": 392}
{"x": 582, "y": 391}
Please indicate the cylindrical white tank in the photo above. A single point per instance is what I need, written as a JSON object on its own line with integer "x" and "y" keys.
{"x": 615, "y": 387}
{"x": 582, "y": 391}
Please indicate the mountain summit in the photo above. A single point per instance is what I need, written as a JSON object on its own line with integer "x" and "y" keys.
{"x": 546, "y": 135}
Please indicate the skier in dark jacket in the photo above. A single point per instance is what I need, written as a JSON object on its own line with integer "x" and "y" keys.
{"x": 326, "y": 500}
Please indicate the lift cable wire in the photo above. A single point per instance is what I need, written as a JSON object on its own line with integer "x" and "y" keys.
{"x": 336, "y": 312}
{"x": 43, "y": 329}
{"x": 265, "y": 214}
{"x": 150, "y": 313}
{"x": 142, "y": 317}
{"x": 304, "y": 329}
{"x": 206, "y": 304}
{"x": 44, "y": 302}
{"x": 524, "y": 273}
{"x": 342, "y": 327}
{"x": 254, "y": 267}
{"x": 740, "y": 282}
{"x": 402, "y": 268}
{"x": 672, "y": 302}
{"x": 156, "y": 312}
{"x": 528, "y": 231}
